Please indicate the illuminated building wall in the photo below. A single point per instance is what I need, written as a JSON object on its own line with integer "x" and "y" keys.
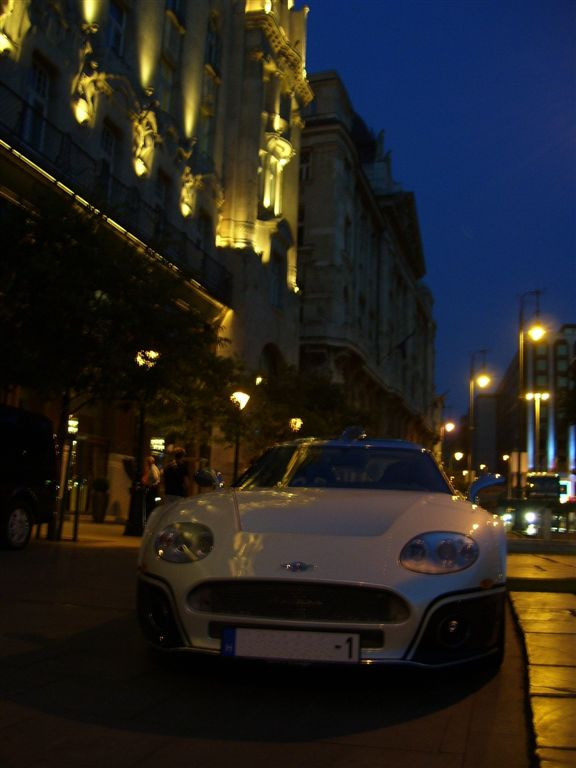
{"x": 179, "y": 120}
{"x": 185, "y": 117}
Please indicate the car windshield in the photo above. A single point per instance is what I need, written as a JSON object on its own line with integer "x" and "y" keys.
{"x": 346, "y": 466}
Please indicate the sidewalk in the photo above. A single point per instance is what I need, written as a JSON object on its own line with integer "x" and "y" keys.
{"x": 542, "y": 592}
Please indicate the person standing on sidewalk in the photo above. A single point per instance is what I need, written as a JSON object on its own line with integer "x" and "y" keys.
{"x": 176, "y": 480}
{"x": 151, "y": 483}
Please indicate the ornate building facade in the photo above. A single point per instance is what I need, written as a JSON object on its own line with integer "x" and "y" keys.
{"x": 366, "y": 314}
{"x": 178, "y": 121}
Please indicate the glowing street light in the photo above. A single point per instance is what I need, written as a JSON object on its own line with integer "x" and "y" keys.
{"x": 145, "y": 359}
{"x": 240, "y": 400}
{"x": 480, "y": 380}
{"x": 535, "y": 332}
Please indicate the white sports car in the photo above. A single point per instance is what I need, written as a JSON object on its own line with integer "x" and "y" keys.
{"x": 343, "y": 551}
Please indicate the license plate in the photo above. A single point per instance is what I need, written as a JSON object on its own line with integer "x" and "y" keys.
{"x": 291, "y": 645}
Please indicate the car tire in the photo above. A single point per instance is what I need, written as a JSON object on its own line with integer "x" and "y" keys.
{"x": 16, "y": 527}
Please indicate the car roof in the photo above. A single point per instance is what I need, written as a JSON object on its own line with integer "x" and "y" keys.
{"x": 379, "y": 442}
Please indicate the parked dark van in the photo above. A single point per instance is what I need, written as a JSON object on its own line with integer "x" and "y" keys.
{"x": 28, "y": 474}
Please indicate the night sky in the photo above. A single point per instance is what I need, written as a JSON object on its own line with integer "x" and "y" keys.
{"x": 477, "y": 99}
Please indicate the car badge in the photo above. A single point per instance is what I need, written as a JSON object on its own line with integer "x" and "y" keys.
{"x": 297, "y": 566}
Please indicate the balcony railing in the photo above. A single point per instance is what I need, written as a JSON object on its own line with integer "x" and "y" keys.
{"x": 28, "y": 131}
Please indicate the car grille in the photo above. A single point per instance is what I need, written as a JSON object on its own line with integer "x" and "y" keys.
{"x": 298, "y": 601}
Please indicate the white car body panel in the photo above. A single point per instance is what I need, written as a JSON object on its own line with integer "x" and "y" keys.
{"x": 351, "y": 537}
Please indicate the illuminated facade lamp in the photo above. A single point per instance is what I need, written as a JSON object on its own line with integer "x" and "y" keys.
{"x": 81, "y": 110}
{"x": 140, "y": 166}
{"x": 5, "y": 43}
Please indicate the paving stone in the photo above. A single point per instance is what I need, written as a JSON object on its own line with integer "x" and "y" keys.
{"x": 554, "y": 720}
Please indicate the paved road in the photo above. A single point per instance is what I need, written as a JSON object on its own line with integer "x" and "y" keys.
{"x": 78, "y": 688}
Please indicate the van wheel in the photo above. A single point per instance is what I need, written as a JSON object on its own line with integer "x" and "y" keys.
{"x": 16, "y": 527}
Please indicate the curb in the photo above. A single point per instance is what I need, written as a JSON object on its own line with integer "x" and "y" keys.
{"x": 541, "y": 585}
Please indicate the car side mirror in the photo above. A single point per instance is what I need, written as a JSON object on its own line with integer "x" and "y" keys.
{"x": 486, "y": 481}
{"x": 208, "y": 478}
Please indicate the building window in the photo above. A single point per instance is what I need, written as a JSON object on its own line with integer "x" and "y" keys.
{"x": 277, "y": 280}
{"x": 41, "y": 87}
{"x": 210, "y": 88}
{"x": 348, "y": 235}
{"x": 110, "y": 148}
{"x": 300, "y": 230}
{"x": 205, "y": 239}
{"x": 175, "y": 6}
{"x": 305, "y": 165}
{"x": 116, "y": 28}
{"x": 213, "y": 44}
{"x": 165, "y": 84}
{"x": 172, "y": 40}
{"x": 163, "y": 190}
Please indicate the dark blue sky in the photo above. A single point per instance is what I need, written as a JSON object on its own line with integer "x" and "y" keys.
{"x": 477, "y": 99}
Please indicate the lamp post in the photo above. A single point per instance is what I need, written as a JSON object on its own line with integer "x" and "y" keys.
{"x": 445, "y": 444}
{"x": 240, "y": 400}
{"x": 145, "y": 360}
{"x": 537, "y": 398}
{"x": 477, "y": 379}
{"x": 535, "y": 332}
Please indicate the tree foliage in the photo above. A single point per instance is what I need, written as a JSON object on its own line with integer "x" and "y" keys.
{"x": 77, "y": 305}
{"x": 321, "y": 404}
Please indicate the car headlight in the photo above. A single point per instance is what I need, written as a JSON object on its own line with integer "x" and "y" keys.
{"x": 184, "y": 542}
{"x": 439, "y": 552}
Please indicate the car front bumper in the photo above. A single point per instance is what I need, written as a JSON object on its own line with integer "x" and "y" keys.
{"x": 453, "y": 629}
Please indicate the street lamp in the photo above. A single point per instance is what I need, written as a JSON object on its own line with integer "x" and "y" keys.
{"x": 240, "y": 400}
{"x": 536, "y": 398}
{"x": 480, "y": 380}
{"x": 145, "y": 359}
{"x": 445, "y": 444}
{"x": 535, "y": 332}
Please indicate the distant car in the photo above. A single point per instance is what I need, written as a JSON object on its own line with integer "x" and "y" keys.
{"x": 348, "y": 551}
{"x": 28, "y": 474}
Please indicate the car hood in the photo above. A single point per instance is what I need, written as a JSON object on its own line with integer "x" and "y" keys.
{"x": 332, "y": 512}
{"x": 335, "y": 512}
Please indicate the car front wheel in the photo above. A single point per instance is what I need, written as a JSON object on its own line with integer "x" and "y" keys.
{"x": 16, "y": 527}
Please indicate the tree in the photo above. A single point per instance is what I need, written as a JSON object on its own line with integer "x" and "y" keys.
{"x": 321, "y": 404}
{"x": 77, "y": 305}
